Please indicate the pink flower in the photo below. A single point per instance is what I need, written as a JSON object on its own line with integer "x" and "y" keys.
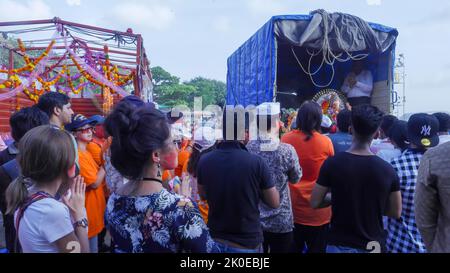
{"x": 154, "y": 220}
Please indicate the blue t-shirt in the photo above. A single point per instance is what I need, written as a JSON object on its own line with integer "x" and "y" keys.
{"x": 341, "y": 142}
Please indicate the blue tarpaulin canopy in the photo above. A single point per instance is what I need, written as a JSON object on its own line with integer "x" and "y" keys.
{"x": 265, "y": 64}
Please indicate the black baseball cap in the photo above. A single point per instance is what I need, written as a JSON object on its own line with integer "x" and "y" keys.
{"x": 423, "y": 130}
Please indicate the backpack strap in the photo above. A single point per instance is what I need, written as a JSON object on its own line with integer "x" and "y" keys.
{"x": 21, "y": 211}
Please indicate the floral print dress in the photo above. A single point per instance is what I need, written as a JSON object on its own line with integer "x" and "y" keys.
{"x": 162, "y": 222}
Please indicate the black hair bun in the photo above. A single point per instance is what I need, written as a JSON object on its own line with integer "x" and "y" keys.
{"x": 136, "y": 132}
{"x": 119, "y": 122}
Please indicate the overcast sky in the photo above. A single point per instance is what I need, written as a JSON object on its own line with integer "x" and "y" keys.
{"x": 192, "y": 38}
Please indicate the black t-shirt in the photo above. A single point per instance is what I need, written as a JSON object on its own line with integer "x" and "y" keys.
{"x": 360, "y": 189}
{"x": 233, "y": 180}
{"x": 8, "y": 220}
{"x": 5, "y": 180}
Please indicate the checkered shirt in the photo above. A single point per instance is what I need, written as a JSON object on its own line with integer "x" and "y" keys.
{"x": 403, "y": 234}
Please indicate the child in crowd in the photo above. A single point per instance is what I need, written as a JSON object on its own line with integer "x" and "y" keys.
{"x": 93, "y": 175}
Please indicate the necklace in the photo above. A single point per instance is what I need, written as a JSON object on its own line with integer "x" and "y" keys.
{"x": 152, "y": 180}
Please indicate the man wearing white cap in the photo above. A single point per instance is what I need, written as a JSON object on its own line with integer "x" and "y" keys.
{"x": 284, "y": 167}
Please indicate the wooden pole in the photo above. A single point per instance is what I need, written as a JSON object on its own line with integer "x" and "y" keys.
{"x": 138, "y": 79}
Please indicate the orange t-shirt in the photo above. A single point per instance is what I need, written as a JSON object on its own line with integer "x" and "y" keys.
{"x": 311, "y": 154}
{"x": 183, "y": 157}
{"x": 166, "y": 175}
{"x": 95, "y": 198}
{"x": 95, "y": 147}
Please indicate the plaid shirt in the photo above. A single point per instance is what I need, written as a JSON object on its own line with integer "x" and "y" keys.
{"x": 403, "y": 234}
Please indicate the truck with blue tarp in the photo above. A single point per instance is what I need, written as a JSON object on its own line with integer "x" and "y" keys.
{"x": 292, "y": 58}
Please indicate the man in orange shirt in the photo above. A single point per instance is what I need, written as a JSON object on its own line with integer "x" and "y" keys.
{"x": 183, "y": 156}
{"x": 96, "y": 146}
{"x": 93, "y": 175}
{"x": 313, "y": 149}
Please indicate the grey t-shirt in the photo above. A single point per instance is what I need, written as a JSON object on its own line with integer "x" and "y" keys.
{"x": 284, "y": 167}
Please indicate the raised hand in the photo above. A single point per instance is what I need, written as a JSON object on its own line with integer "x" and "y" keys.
{"x": 76, "y": 201}
{"x": 185, "y": 187}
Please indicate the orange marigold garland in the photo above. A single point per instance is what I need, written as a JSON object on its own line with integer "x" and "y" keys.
{"x": 34, "y": 96}
{"x": 30, "y": 65}
{"x": 86, "y": 74}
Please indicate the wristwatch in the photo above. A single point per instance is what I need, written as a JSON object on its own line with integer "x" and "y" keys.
{"x": 81, "y": 223}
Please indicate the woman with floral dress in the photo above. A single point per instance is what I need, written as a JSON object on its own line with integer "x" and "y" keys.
{"x": 142, "y": 216}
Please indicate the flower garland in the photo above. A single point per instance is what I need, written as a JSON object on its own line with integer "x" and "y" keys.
{"x": 53, "y": 81}
{"x": 122, "y": 80}
{"x": 22, "y": 49}
{"x": 66, "y": 90}
{"x": 106, "y": 92}
{"x": 86, "y": 74}
{"x": 331, "y": 102}
{"x": 30, "y": 65}
{"x": 36, "y": 92}
{"x": 74, "y": 90}
{"x": 51, "y": 68}
{"x": 38, "y": 69}
{"x": 12, "y": 82}
{"x": 15, "y": 82}
{"x": 126, "y": 79}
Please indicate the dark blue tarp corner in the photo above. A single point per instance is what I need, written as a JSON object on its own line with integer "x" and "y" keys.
{"x": 253, "y": 84}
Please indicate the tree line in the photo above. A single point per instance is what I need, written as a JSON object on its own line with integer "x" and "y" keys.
{"x": 169, "y": 91}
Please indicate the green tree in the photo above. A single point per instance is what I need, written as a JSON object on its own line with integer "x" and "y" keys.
{"x": 211, "y": 91}
{"x": 4, "y": 53}
{"x": 168, "y": 90}
{"x": 173, "y": 95}
{"x": 162, "y": 77}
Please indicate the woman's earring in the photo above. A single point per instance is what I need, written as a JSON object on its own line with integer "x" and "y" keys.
{"x": 159, "y": 170}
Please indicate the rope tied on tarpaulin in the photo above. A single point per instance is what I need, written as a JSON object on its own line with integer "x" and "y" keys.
{"x": 321, "y": 17}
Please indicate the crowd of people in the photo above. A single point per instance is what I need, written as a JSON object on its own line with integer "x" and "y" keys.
{"x": 125, "y": 184}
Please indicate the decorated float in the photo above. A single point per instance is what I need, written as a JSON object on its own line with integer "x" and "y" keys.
{"x": 94, "y": 66}
{"x": 294, "y": 58}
